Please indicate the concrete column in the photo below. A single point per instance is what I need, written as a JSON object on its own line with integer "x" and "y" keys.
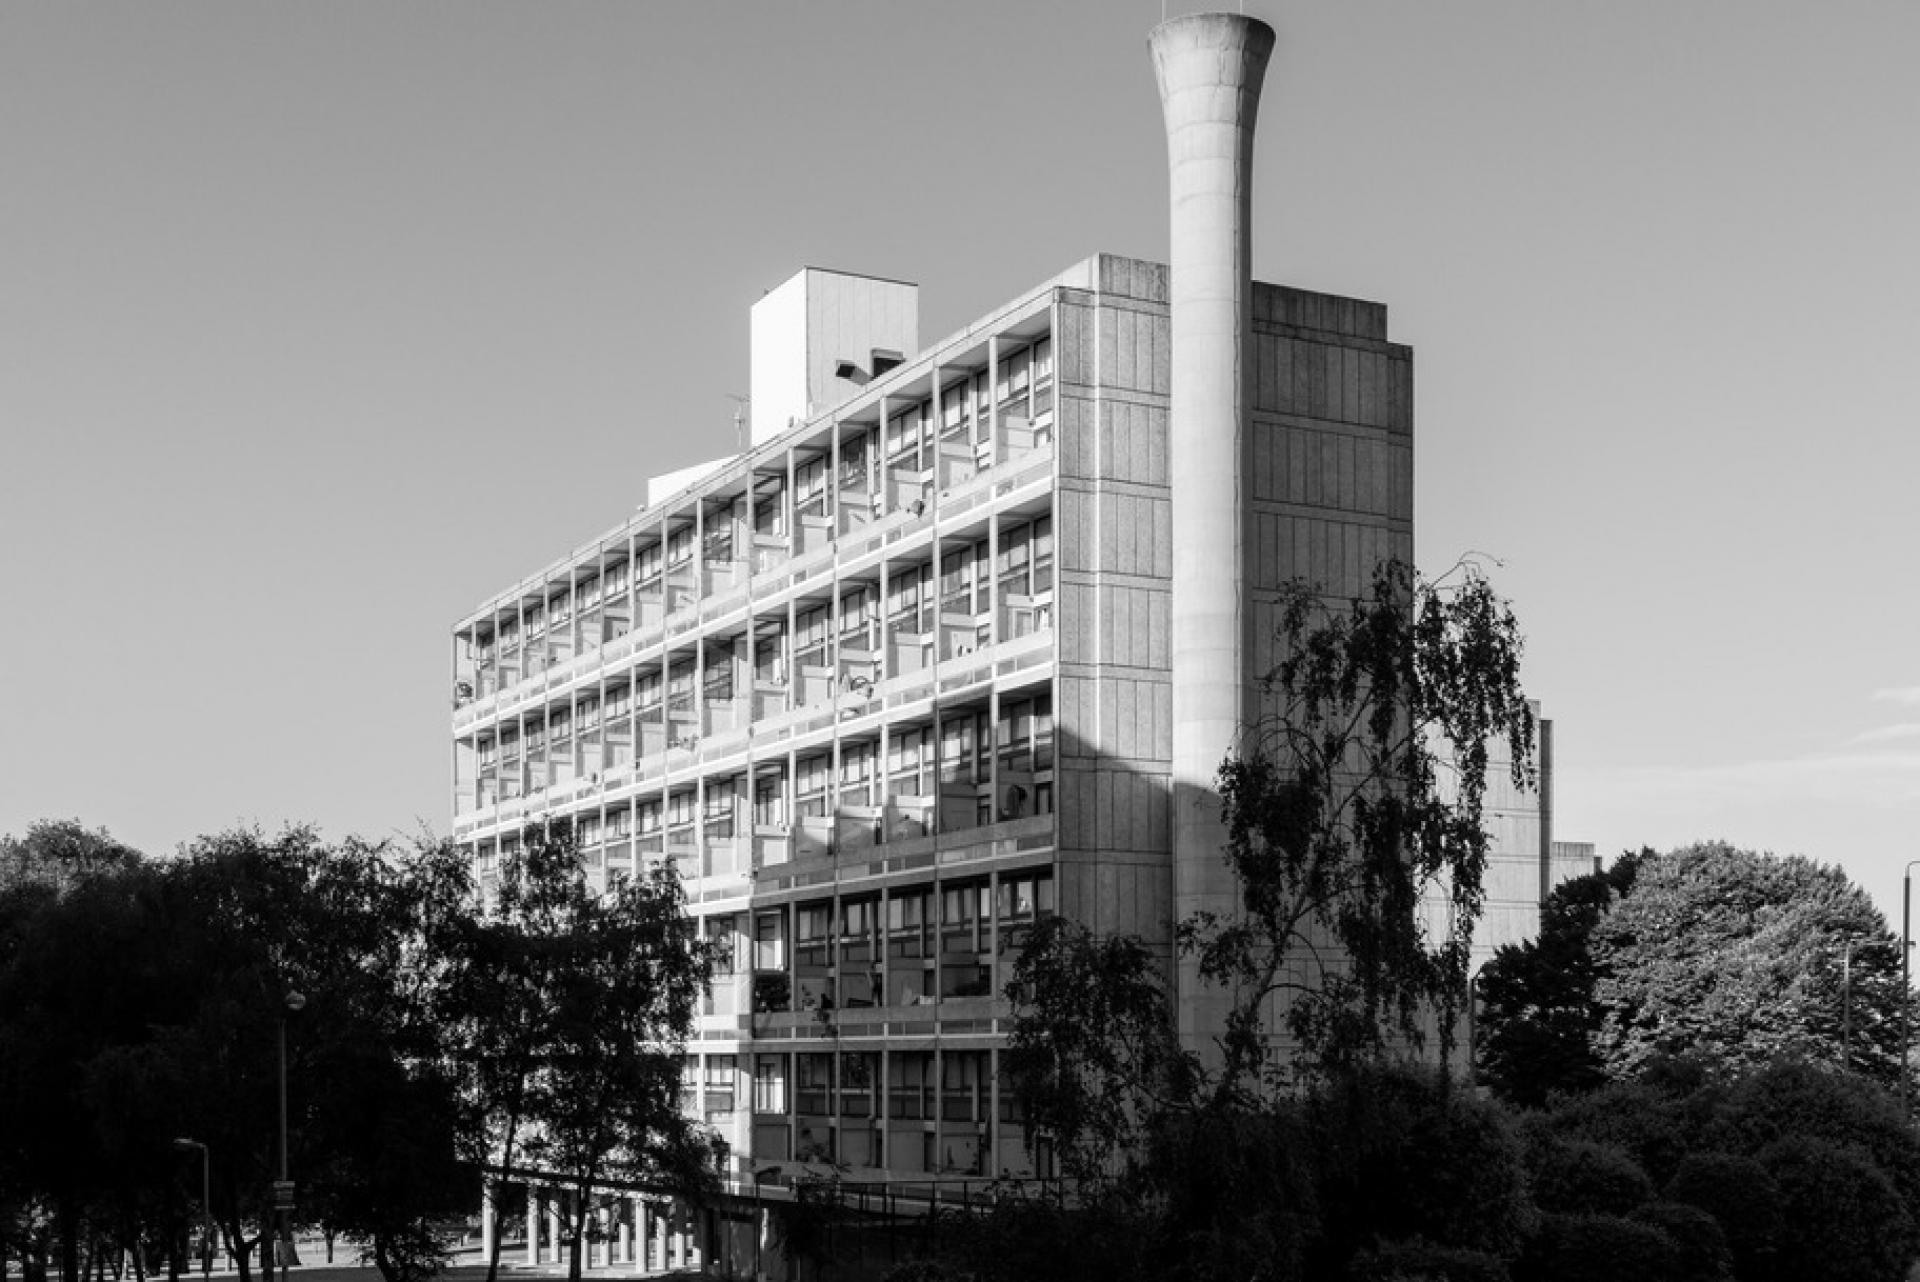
{"x": 533, "y": 1226}
{"x": 555, "y": 1244}
{"x": 643, "y": 1224}
{"x": 1210, "y": 67}
{"x": 487, "y": 1226}
{"x": 626, "y": 1230}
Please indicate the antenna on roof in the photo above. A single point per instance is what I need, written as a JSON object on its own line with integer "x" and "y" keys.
{"x": 740, "y": 404}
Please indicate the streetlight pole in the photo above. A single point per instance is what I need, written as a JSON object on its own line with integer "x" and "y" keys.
{"x": 1846, "y": 1007}
{"x": 1906, "y": 983}
{"x": 206, "y": 1203}
{"x": 283, "y": 1188}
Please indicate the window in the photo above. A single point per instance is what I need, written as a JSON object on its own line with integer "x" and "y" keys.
{"x": 718, "y": 677}
{"x": 963, "y": 913}
{"x": 859, "y": 1072}
{"x": 861, "y": 980}
{"x": 810, "y": 488}
{"x": 717, "y": 546}
{"x": 770, "y": 800}
{"x": 720, "y": 1085}
{"x": 853, "y": 461}
{"x": 680, "y": 809}
{"x": 907, "y": 924}
{"x": 770, "y": 940}
{"x": 614, "y": 581}
{"x": 965, "y": 933}
{"x": 618, "y": 702}
{"x": 910, "y": 600}
{"x": 910, "y": 762}
{"x": 811, "y": 778}
{"x": 689, "y": 1083}
{"x": 812, "y": 923}
{"x": 910, "y": 1085}
{"x": 856, "y": 773}
{"x": 718, "y": 818}
{"x": 1023, "y": 900}
{"x": 722, "y": 933}
{"x": 813, "y": 1084}
{"x": 680, "y": 547}
{"x": 647, "y": 569}
{"x": 770, "y": 1084}
{"x": 963, "y": 1086}
{"x": 810, "y": 637}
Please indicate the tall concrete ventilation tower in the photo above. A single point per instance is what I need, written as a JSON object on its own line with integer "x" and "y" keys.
{"x": 1210, "y": 68}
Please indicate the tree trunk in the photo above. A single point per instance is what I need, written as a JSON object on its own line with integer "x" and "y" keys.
{"x": 506, "y": 1166}
{"x": 68, "y": 1215}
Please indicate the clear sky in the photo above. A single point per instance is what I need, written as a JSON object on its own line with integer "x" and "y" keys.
{"x": 319, "y": 324}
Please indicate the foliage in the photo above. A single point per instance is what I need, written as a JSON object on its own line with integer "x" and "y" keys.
{"x": 1702, "y": 1244}
{"x": 1421, "y": 1261}
{"x": 571, "y": 1010}
{"x": 1598, "y": 1248}
{"x": 1403, "y": 1153}
{"x": 1093, "y": 1082}
{"x": 1357, "y": 799}
{"x": 1841, "y": 1207}
{"x": 1743, "y": 1200}
{"x": 1741, "y": 958}
{"x": 1538, "y": 1012}
{"x": 58, "y": 854}
{"x": 1578, "y": 1177}
{"x": 141, "y": 1002}
{"x": 1653, "y": 1118}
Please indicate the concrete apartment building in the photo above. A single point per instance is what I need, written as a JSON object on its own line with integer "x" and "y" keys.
{"x": 957, "y": 642}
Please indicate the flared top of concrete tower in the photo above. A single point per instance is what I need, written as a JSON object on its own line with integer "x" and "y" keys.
{"x": 1249, "y": 40}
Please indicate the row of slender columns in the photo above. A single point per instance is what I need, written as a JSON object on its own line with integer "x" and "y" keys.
{"x": 667, "y": 1237}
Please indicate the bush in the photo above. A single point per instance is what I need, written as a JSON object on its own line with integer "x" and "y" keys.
{"x": 921, "y": 1271}
{"x": 1653, "y": 1125}
{"x": 1422, "y": 1261}
{"x": 1840, "y": 1207}
{"x": 1703, "y": 1255}
{"x": 1405, "y": 1155}
{"x": 1793, "y": 1098}
{"x": 1743, "y": 1200}
{"x": 1579, "y": 1177}
{"x": 1598, "y": 1248}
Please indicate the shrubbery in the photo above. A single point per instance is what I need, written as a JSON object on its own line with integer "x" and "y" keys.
{"x": 1393, "y": 1174}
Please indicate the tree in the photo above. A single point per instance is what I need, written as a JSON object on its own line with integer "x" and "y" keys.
{"x": 1742, "y": 958}
{"x": 1094, "y": 1081}
{"x": 80, "y": 974}
{"x": 1355, "y": 806}
{"x": 58, "y": 853}
{"x": 1354, "y": 831}
{"x": 574, "y": 1008}
{"x": 139, "y": 1003}
{"x": 1539, "y": 1014}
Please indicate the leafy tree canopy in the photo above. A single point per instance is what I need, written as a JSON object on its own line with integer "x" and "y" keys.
{"x": 1741, "y": 958}
{"x": 1538, "y": 1012}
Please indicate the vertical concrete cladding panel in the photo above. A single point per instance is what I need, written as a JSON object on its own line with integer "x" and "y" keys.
{"x": 1071, "y": 366}
{"x": 1074, "y": 419}
{"x": 1078, "y": 548}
